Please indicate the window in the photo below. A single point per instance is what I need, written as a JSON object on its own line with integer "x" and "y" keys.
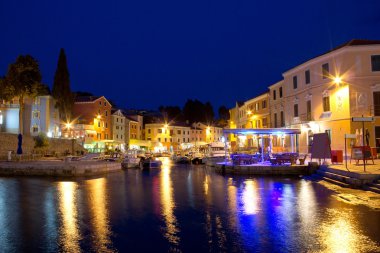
{"x": 35, "y": 129}
{"x": 178, "y": 131}
{"x": 264, "y": 104}
{"x": 121, "y": 120}
{"x": 105, "y": 103}
{"x": 121, "y": 136}
{"x": 171, "y": 131}
{"x": 257, "y": 107}
{"x": 325, "y": 70}
{"x": 275, "y": 120}
{"x": 106, "y": 113}
{"x": 100, "y": 102}
{"x": 326, "y": 104}
{"x": 282, "y": 118}
{"x": 376, "y": 103}
{"x": 106, "y": 136}
{"x": 375, "y": 62}
{"x": 159, "y": 130}
{"x": 117, "y": 127}
{"x": 307, "y": 76}
{"x": 308, "y": 110}
{"x": 159, "y": 139}
{"x": 170, "y": 140}
{"x": 117, "y": 136}
{"x": 165, "y": 140}
{"x": 106, "y": 125}
{"x": 296, "y": 110}
{"x": 98, "y": 123}
{"x": 265, "y": 122}
{"x": 148, "y": 130}
{"x": 36, "y": 114}
{"x": 184, "y": 139}
{"x": 274, "y": 94}
{"x": 295, "y": 84}
{"x": 117, "y": 119}
{"x": 280, "y": 91}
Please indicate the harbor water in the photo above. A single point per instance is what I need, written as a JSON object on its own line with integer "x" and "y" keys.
{"x": 180, "y": 208}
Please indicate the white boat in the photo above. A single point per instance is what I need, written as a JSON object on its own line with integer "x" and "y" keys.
{"x": 131, "y": 160}
{"x": 215, "y": 153}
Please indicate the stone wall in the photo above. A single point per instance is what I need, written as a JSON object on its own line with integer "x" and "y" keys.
{"x": 9, "y": 142}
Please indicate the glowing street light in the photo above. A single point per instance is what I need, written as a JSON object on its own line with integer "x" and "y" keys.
{"x": 68, "y": 125}
{"x": 337, "y": 80}
{"x": 249, "y": 112}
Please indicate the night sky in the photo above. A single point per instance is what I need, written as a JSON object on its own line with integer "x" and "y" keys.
{"x": 147, "y": 53}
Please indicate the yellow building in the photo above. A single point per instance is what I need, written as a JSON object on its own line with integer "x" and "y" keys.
{"x": 208, "y": 133}
{"x": 165, "y": 137}
{"x": 322, "y": 94}
{"x": 253, "y": 113}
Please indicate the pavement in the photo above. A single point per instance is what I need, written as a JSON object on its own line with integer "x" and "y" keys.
{"x": 353, "y": 167}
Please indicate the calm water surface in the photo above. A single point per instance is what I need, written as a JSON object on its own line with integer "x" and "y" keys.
{"x": 181, "y": 209}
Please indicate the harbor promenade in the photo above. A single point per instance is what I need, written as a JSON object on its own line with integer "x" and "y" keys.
{"x": 58, "y": 168}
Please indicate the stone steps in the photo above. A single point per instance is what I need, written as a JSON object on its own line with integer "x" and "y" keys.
{"x": 371, "y": 188}
{"x": 327, "y": 177}
{"x": 334, "y": 178}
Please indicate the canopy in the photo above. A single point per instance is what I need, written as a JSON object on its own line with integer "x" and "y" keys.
{"x": 262, "y": 131}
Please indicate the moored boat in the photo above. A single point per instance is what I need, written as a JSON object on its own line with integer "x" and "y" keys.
{"x": 150, "y": 163}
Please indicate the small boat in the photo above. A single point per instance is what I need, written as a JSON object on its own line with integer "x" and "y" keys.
{"x": 131, "y": 160}
{"x": 182, "y": 160}
{"x": 150, "y": 163}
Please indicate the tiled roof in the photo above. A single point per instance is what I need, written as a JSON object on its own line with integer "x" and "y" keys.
{"x": 86, "y": 98}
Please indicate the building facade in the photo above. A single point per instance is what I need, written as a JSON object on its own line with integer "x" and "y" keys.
{"x": 39, "y": 116}
{"x": 324, "y": 93}
{"x": 167, "y": 137}
{"x": 118, "y": 129}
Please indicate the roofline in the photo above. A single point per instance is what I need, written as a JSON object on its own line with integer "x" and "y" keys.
{"x": 336, "y": 51}
{"x": 93, "y": 100}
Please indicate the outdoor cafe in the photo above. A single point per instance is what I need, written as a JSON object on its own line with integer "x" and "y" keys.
{"x": 270, "y": 146}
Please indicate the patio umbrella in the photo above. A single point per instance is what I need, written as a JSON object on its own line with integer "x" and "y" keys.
{"x": 367, "y": 136}
{"x": 19, "y": 144}
{"x": 357, "y": 139}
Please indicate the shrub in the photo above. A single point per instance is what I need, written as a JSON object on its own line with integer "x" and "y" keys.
{"x": 41, "y": 141}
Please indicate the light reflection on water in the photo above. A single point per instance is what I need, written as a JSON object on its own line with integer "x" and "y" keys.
{"x": 168, "y": 204}
{"x": 99, "y": 214}
{"x": 69, "y": 231}
{"x": 182, "y": 208}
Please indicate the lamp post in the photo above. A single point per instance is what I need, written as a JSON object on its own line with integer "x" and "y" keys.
{"x": 68, "y": 127}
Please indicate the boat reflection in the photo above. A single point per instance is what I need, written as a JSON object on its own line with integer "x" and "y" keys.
{"x": 69, "y": 231}
{"x": 168, "y": 205}
{"x": 99, "y": 214}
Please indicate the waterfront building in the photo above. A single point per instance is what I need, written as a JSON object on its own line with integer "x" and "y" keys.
{"x": 253, "y": 113}
{"x": 166, "y": 137}
{"x": 323, "y": 93}
{"x": 118, "y": 129}
{"x": 209, "y": 133}
{"x": 92, "y": 111}
{"x": 39, "y": 116}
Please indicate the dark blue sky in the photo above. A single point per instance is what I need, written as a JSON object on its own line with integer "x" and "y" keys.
{"x": 146, "y": 53}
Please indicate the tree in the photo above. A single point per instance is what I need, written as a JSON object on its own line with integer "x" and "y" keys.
{"x": 209, "y": 112}
{"x": 170, "y": 112}
{"x": 22, "y": 80}
{"x": 224, "y": 113}
{"x": 61, "y": 88}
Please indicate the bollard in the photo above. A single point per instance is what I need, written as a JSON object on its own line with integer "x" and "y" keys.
{"x": 9, "y": 156}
